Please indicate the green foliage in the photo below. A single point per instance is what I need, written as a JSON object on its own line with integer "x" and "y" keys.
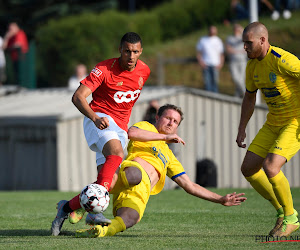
{"x": 89, "y": 38}
{"x": 147, "y": 25}
{"x": 181, "y": 17}
{"x": 174, "y": 20}
{"x": 172, "y": 220}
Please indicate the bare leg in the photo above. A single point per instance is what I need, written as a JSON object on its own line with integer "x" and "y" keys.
{"x": 129, "y": 216}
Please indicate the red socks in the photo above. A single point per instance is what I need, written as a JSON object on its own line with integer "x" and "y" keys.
{"x": 104, "y": 178}
{"x": 75, "y": 203}
{"x": 106, "y": 173}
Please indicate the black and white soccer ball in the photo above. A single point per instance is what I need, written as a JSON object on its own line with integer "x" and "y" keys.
{"x": 94, "y": 198}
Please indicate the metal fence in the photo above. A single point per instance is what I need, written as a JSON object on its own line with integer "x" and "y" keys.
{"x": 50, "y": 152}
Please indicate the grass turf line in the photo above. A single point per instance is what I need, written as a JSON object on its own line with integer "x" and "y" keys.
{"x": 173, "y": 220}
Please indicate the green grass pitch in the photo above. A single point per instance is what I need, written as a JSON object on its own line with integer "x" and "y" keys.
{"x": 173, "y": 220}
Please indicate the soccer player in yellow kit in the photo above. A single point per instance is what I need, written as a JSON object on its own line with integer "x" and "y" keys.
{"x": 276, "y": 73}
{"x": 143, "y": 173}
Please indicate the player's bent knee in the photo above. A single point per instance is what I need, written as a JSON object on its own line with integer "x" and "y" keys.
{"x": 270, "y": 171}
{"x": 249, "y": 169}
{"x": 131, "y": 176}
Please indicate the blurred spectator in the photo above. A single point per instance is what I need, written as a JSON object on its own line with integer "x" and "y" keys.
{"x": 240, "y": 9}
{"x": 15, "y": 41}
{"x": 295, "y": 4}
{"x": 2, "y": 63}
{"x": 237, "y": 59}
{"x": 286, "y": 13}
{"x": 80, "y": 74}
{"x": 210, "y": 56}
{"x": 151, "y": 111}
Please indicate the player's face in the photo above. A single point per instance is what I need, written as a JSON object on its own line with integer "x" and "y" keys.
{"x": 168, "y": 122}
{"x": 130, "y": 53}
{"x": 252, "y": 45}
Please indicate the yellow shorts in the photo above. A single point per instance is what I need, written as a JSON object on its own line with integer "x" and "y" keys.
{"x": 135, "y": 197}
{"x": 284, "y": 141}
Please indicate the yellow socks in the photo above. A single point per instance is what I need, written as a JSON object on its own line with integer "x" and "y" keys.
{"x": 283, "y": 193}
{"x": 276, "y": 190}
{"x": 117, "y": 225}
{"x": 260, "y": 182}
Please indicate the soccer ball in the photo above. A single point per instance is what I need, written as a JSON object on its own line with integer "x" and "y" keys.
{"x": 94, "y": 198}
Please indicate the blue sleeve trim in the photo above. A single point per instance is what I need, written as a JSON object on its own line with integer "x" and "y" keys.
{"x": 275, "y": 53}
{"x": 175, "y": 176}
{"x": 251, "y": 91}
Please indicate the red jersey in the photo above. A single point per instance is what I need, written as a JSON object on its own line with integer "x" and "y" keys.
{"x": 19, "y": 40}
{"x": 115, "y": 90}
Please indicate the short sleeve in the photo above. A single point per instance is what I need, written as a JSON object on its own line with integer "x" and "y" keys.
{"x": 94, "y": 79}
{"x": 250, "y": 84}
{"x": 175, "y": 169}
{"x": 289, "y": 64}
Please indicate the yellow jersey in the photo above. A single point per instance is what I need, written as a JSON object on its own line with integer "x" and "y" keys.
{"x": 277, "y": 75}
{"x": 158, "y": 154}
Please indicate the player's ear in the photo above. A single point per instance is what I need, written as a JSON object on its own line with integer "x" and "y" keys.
{"x": 262, "y": 40}
{"x": 120, "y": 49}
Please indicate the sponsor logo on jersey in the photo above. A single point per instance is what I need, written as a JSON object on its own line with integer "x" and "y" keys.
{"x": 97, "y": 72}
{"x": 160, "y": 155}
{"x": 275, "y": 104}
{"x": 272, "y": 77}
{"x": 128, "y": 96}
{"x": 119, "y": 83}
{"x": 270, "y": 92}
{"x": 141, "y": 82}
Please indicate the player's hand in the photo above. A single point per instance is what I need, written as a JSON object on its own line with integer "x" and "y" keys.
{"x": 102, "y": 123}
{"x": 233, "y": 199}
{"x": 173, "y": 138}
{"x": 240, "y": 139}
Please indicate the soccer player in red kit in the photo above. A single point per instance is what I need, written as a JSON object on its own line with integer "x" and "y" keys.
{"x": 115, "y": 85}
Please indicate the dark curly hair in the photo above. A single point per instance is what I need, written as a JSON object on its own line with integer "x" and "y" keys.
{"x": 131, "y": 37}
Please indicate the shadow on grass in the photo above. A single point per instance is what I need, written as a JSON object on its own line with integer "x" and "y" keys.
{"x": 182, "y": 235}
{"x": 25, "y": 232}
{"x": 28, "y": 232}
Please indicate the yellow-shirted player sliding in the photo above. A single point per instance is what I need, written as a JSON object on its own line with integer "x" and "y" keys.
{"x": 277, "y": 74}
{"x": 143, "y": 173}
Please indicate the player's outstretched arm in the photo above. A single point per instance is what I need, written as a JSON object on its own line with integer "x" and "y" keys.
{"x": 137, "y": 134}
{"x": 233, "y": 199}
{"x": 192, "y": 188}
